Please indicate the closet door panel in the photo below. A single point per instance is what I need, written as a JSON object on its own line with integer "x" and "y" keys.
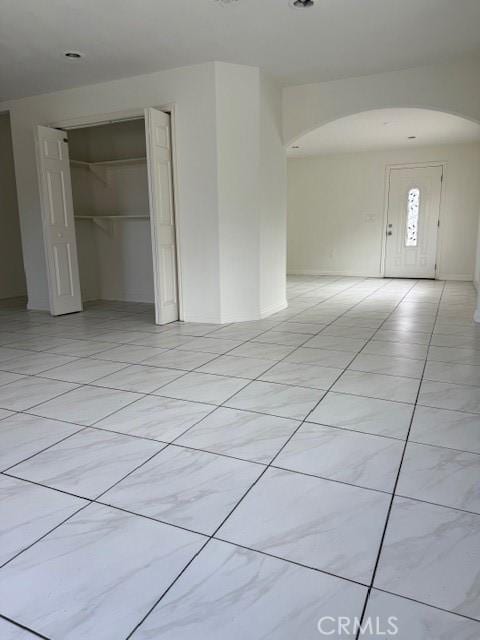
{"x": 162, "y": 215}
{"x": 57, "y": 220}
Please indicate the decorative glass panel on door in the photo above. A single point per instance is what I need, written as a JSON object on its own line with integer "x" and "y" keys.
{"x": 413, "y": 210}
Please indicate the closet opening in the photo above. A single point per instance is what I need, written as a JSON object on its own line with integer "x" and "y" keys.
{"x": 108, "y": 168}
{"x": 13, "y": 288}
{"x": 108, "y": 214}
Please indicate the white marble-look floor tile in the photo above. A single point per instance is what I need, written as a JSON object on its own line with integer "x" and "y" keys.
{"x": 158, "y": 418}
{"x": 444, "y": 476}
{"x": 7, "y": 376}
{"x": 432, "y": 554}
{"x": 350, "y": 331}
{"x": 187, "y": 488}
{"x": 203, "y": 387}
{"x": 409, "y": 337}
{"x": 336, "y": 343}
{"x": 356, "y": 458}
{"x": 396, "y": 349}
{"x": 139, "y": 378}
{"x": 453, "y": 372}
{"x": 321, "y": 357}
{"x": 85, "y": 405}
{"x": 309, "y": 328}
{"x": 167, "y": 340}
{"x": 454, "y": 354}
{"x": 463, "y": 342}
{"x": 82, "y": 370}
{"x": 376, "y": 385}
{"x": 237, "y": 366}
{"x": 415, "y": 621}
{"x": 11, "y": 631}
{"x": 454, "y": 429}
{"x": 23, "y": 435}
{"x": 302, "y": 375}
{"x": 6, "y": 354}
{"x": 28, "y": 512}
{"x": 249, "y": 595}
{"x": 240, "y": 434}
{"x": 340, "y": 534}
{"x": 81, "y": 347}
{"x": 212, "y": 345}
{"x": 129, "y": 354}
{"x": 282, "y": 337}
{"x": 87, "y": 598}
{"x": 276, "y": 399}
{"x": 263, "y": 351}
{"x": 358, "y": 413}
{"x": 180, "y": 359}
{"x": 32, "y": 363}
{"x": 164, "y": 339}
{"x": 446, "y": 395}
{"x": 28, "y": 392}
{"x": 88, "y": 463}
{"x": 390, "y": 365}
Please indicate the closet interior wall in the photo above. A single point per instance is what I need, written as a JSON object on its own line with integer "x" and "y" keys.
{"x": 110, "y": 197}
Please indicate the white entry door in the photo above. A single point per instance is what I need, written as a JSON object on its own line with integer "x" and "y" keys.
{"x": 162, "y": 217}
{"x": 412, "y": 222}
{"x": 58, "y": 223}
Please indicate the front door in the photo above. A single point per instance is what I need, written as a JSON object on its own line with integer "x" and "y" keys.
{"x": 412, "y": 222}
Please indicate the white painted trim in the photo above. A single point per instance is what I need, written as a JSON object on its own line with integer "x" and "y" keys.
{"x": 467, "y": 277}
{"x": 412, "y": 165}
{"x": 324, "y": 272}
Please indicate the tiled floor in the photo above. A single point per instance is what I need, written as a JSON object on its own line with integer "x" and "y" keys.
{"x": 196, "y": 482}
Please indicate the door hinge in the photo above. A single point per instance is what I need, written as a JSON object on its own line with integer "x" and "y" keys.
{"x": 441, "y": 178}
{"x": 438, "y": 223}
{"x": 435, "y": 266}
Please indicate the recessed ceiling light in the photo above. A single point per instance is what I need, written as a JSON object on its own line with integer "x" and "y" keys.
{"x": 295, "y": 146}
{"x": 301, "y": 4}
{"x": 412, "y": 137}
{"x": 73, "y": 55}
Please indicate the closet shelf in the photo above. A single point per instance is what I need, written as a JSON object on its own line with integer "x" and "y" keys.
{"x": 104, "y": 163}
{"x": 118, "y": 216}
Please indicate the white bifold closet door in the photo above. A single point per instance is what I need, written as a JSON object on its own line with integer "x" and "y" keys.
{"x": 162, "y": 217}
{"x": 58, "y": 223}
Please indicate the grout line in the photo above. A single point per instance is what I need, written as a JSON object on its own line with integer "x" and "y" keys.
{"x": 288, "y": 319}
{"x": 390, "y": 507}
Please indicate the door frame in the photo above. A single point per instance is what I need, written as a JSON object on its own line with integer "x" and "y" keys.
{"x": 83, "y": 122}
{"x": 411, "y": 165}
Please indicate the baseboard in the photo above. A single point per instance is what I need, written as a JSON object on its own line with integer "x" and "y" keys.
{"x": 274, "y": 308}
{"x": 319, "y": 272}
{"x": 37, "y": 305}
{"x": 467, "y": 277}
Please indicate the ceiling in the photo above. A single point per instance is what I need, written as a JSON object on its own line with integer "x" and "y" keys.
{"x": 385, "y": 129}
{"x": 333, "y": 39}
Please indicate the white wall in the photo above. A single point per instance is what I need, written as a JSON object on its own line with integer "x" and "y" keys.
{"x": 336, "y": 207}
{"x": 273, "y": 202}
{"x": 192, "y": 91}
{"x": 12, "y": 276}
{"x": 218, "y": 146}
{"x": 252, "y": 193}
{"x": 452, "y": 88}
